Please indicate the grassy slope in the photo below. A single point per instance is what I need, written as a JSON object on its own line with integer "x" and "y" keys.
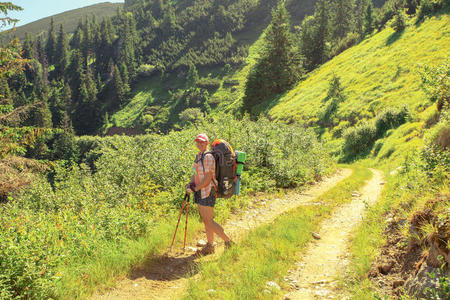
{"x": 69, "y": 19}
{"x": 380, "y": 72}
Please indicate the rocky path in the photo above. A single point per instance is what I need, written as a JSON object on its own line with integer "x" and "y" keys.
{"x": 316, "y": 274}
{"x": 165, "y": 277}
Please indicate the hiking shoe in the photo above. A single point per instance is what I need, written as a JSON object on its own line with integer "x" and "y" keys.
{"x": 208, "y": 249}
{"x": 229, "y": 244}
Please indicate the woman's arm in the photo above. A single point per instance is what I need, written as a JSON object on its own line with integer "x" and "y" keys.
{"x": 205, "y": 182}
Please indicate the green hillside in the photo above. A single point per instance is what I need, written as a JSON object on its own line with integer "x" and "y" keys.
{"x": 69, "y": 19}
{"x": 380, "y": 72}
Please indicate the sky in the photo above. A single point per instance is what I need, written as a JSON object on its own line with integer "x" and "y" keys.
{"x": 36, "y": 9}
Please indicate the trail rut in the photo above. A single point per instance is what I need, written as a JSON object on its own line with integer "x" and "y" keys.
{"x": 166, "y": 277}
{"x": 317, "y": 272}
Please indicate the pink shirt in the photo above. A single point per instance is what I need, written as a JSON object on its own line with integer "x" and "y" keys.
{"x": 209, "y": 165}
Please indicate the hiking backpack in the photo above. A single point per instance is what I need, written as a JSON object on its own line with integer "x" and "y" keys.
{"x": 229, "y": 166}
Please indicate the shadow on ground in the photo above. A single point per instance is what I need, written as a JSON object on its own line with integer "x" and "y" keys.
{"x": 166, "y": 268}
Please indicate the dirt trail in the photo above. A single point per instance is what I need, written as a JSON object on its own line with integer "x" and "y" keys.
{"x": 325, "y": 259}
{"x": 166, "y": 277}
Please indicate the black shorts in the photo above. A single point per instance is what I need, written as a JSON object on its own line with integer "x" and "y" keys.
{"x": 208, "y": 201}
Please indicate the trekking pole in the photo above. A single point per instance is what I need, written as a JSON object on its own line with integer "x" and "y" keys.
{"x": 179, "y": 218}
{"x": 185, "y": 228}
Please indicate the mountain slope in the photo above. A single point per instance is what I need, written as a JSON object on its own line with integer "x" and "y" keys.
{"x": 69, "y": 18}
{"x": 380, "y": 72}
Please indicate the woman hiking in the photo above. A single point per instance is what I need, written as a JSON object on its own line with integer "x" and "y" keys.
{"x": 203, "y": 185}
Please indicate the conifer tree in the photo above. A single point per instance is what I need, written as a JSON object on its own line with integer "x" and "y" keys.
{"x": 278, "y": 68}
{"x": 77, "y": 38}
{"x": 104, "y": 50}
{"x": 118, "y": 88}
{"x": 51, "y": 43}
{"x": 342, "y": 18}
{"x": 87, "y": 43}
{"x": 63, "y": 53}
{"x": 28, "y": 49}
{"x": 368, "y": 19}
{"x": 322, "y": 16}
{"x": 191, "y": 77}
{"x": 43, "y": 115}
{"x": 57, "y": 108}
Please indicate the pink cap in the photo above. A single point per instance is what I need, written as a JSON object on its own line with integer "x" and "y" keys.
{"x": 202, "y": 138}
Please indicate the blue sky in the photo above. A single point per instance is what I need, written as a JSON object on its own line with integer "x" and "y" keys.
{"x": 36, "y": 9}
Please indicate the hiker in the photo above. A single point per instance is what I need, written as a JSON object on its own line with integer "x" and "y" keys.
{"x": 203, "y": 185}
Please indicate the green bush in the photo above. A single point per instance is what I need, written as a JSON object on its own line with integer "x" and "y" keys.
{"x": 191, "y": 115}
{"x": 399, "y": 22}
{"x": 91, "y": 212}
{"x": 359, "y": 139}
{"x": 428, "y": 7}
{"x": 351, "y": 39}
{"x": 209, "y": 84}
{"x": 390, "y": 118}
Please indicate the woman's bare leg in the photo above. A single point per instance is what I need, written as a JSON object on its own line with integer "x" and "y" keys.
{"x": 211, "y": 227}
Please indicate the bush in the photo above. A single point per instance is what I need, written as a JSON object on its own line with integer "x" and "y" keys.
{"x": 359, "y": 139}
{"x": 209, "y": 84}
{"x": 351, "y": 39}
{"x": 387, "y": 12}
{"x": 428, "y": 7}
{"x": 146, "y": 70}
{"x": 88, "y": 214}
{"x": 390, "y": 118}
{"x": 191, "y": 115}
{"x": 399, "y": 22}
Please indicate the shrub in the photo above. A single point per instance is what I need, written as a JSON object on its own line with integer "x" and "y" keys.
{"x": 90, "y": 212}
{"x": 351, "y": 39}
{"x": 191, "y": 115}
{"x": 428, "y": 7}
{"x": 390, "y": 118}
{"x": 209, "y": 84}
{"x": 359, "y": 139}
{"x": 145, "y": 70}
{"x": 399, "y": 22}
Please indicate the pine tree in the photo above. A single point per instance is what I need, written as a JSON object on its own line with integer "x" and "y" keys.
{"x": 368, "y": 19}
{"x": 76, "y": 71}
{"x": 57, "y": 108}
{"x": 278, "y": 68}
{"x": 63, "y": 53}
{"x": 43, "y": 115}
{"x": 342, "y": 18}
{"x": 77, "y": 38}
{"x": 125, "y": 79}
{"x": 87, "y": 43}
{"x": 67, "y": 95}
{"x": 87, "y": 117}
{"x": 192, "y": 77}
{"x": 118, "y": 88}
{"x": 128, "y": 44}
{"x": 322, "y": 16}
{"x": 28, "y": 49}
{"x": 280, "y": 51}
{"x": 5, "y": 92}
{"x": 104, "y": 51}
{"x": 51, "y": 43}
{"x": 359, "y": 16}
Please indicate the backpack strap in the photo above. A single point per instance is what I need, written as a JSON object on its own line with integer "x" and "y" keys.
{"x": 203, "y": 165}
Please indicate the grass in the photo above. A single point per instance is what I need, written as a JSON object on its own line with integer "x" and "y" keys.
{"x": 118, "y": 260}
{"x": 379, "y": 72}
{"x": 269, "y": 251}
{"x": 407, "y": 189}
